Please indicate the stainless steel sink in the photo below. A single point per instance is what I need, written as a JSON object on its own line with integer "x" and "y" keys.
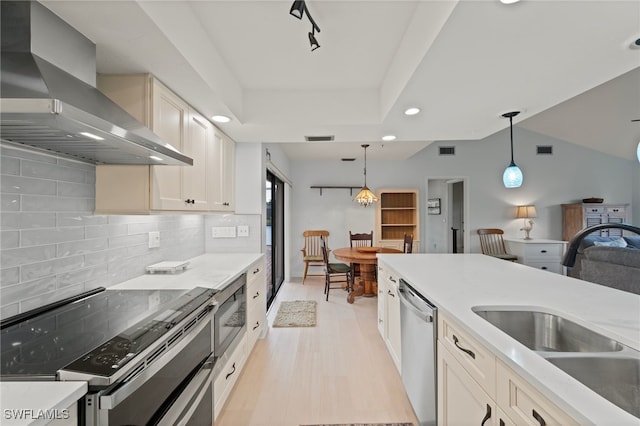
{"x": 616, "y": 379}
{"x": 545, "y": 332}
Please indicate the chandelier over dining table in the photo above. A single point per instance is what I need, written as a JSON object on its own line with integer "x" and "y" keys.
{"x": 365, "y": 196}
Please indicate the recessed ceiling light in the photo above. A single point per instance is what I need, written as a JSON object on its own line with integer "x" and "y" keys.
{"x": 411, "y": 111}
{"x": 389, "y": 138}
{"x": 509, "y": 1}
{"x": 635, "y": 44}
{"x": 221, "y": 119}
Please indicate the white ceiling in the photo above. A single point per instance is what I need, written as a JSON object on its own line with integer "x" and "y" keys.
{"x": 463, "y": 63}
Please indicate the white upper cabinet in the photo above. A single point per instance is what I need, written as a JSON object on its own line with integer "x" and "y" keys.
{"x": 144, "y": 189}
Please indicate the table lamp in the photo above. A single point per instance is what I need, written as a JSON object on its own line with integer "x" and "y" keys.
{"x": 526, "y": 212}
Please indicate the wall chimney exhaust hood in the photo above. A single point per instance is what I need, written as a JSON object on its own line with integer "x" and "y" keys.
{"x": 49, "y": 100}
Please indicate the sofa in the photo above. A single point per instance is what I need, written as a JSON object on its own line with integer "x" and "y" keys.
{"x": 610, "y": 261}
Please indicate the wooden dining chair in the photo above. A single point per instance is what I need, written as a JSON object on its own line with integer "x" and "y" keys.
{"x": 312, "y": 252}
{"x": 407, "y": 245}
{"x": 359, "y": 240}
{"x": 334, "y": 272}
{"x": 492, "y": 244}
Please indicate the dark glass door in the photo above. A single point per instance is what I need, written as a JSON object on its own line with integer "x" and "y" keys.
{"x": 274, "y": 235}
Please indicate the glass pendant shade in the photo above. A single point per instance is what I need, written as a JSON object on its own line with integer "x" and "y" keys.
{"x": 512, "y": 177}
{"x": 365, "y": 197}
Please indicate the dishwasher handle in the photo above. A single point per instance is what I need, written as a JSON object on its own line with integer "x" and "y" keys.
{"x": 406, "y": 296}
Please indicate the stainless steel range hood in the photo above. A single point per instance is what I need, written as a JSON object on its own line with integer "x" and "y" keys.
{"x": 49, "y": 100}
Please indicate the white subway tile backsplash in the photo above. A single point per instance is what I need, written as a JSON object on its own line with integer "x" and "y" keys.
{"x": 82, "y": 247}
{"x": 20, "y": 256}
{"x": 23, "y": 185}
{"x": 11, "y": 220}
{"x": 50, "y": 267}
{"x": 31, "y": 203}
{"x": 10, "y": 202}
{"x": 54, "y": 247}
{"x": 9, "y": 239}
{"x": 38, "y": 237}
{"x": 55, "y": 172}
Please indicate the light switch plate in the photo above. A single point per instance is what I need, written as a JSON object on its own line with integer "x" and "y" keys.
{"x": 223, "y": 232}
{"x": 243, "y": 230}
{"x": 154, "y": 239}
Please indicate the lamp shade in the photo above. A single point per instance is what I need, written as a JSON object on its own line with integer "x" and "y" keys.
{"x": 512, "y": 177}
{"x": 365, "y": 197}
{"x": 526, "y": 212}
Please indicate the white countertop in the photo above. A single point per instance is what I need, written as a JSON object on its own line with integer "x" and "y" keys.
{"x": 34, "y": 403}
{"x": 211, "y": 270}
{"x": 457, "y": 282}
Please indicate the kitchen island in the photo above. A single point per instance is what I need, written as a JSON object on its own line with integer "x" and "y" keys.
{"x": 458, "y": 283}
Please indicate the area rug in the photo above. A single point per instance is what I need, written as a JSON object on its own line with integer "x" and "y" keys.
{"x": 296, "y": 313}
{"x": 365, "y": 424}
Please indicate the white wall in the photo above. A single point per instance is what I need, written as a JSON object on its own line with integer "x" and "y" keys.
{"x": 570, "y": 174}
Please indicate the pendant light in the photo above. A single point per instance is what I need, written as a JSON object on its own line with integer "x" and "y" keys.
{"x": 365, "y": 196}
{"x": 512, "y": 177}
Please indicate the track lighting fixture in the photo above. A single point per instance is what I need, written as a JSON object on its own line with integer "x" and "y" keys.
{"x": 299, "y": 8}
{"x": 512, "y": 177}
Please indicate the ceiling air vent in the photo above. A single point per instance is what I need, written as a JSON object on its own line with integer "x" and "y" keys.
{"x": 447, "y": 150}
{"x": 319, "y": 138}
{"x": 544, "y": 149}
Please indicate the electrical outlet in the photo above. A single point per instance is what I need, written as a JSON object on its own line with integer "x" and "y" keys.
{"x": 154, "y": 239}
{"x": 243, "y": 231}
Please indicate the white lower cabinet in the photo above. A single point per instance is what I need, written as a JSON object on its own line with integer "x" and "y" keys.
{"x": 461, "y": 400}
{"x": 476, "y": 388}
{"x": 228, "y": 375}
{"x": 256, "y": 304}
{"x": 389, "y": 312}
{"x": 256, "y": 309}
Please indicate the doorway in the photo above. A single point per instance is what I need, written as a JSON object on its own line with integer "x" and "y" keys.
{"x": 274, "y": 235}
{"x": 445, "y": 232}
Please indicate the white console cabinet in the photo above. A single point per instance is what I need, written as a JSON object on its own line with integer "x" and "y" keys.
{"x": 538, "y": 253}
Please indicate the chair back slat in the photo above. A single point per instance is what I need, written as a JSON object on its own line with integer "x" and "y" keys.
{"x": 491, "y": 241}
{"x": 312, "y": 241}
{"x": 407, "y": 246}
{"x": 361, "y": 240}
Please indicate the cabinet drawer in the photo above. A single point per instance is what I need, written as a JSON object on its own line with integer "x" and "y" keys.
{"x": 479, "y": 362}
{"x": 525, "y": 405}
{"x": 594, "y": 209}
{"x": 543, "y": 251}
{"x": 547, "y": 266}
{"x": 227, "y": 376}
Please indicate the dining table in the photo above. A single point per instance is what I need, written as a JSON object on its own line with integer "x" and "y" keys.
{"x": 366, "y": 284}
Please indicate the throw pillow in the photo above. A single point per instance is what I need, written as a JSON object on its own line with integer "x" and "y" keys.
{"x": 616, "y": 242}
{"x": 633, "y": 242}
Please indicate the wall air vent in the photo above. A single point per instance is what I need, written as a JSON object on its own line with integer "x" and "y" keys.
{"x": 447, "y": 150}
{"x": 544, "y": 149}
{"x": 319, "y": 138}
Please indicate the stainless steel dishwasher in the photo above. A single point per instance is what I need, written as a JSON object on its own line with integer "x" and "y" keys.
{"x": 418, "y": 331}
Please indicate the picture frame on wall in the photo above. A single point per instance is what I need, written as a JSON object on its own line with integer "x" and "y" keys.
{"x": 433, "y": 206}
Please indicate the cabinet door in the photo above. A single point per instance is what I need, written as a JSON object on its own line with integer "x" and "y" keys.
{"x": 197, "y": 177}
{"x": 223, "y": 191}
{"x": 393, "y": 324}
{"x": 461, "y": 401}
{"x": 170, "y": 122}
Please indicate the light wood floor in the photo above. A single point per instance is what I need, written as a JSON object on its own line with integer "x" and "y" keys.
{"x": 336, "y": 372}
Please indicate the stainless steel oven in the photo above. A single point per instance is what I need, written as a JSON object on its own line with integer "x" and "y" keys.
{"x": 153, "y": 365}
{"x": 230, "y": 319}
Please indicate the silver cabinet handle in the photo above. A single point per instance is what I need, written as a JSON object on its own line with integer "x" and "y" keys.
{"x": 467, "y": 351}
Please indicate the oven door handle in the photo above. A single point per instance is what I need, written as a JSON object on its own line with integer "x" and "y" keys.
{"x": 184, "y": 407}
{"x": 110, "y": 398}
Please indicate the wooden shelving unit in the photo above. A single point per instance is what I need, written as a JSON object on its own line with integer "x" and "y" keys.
{"x": 397, "y": 213}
